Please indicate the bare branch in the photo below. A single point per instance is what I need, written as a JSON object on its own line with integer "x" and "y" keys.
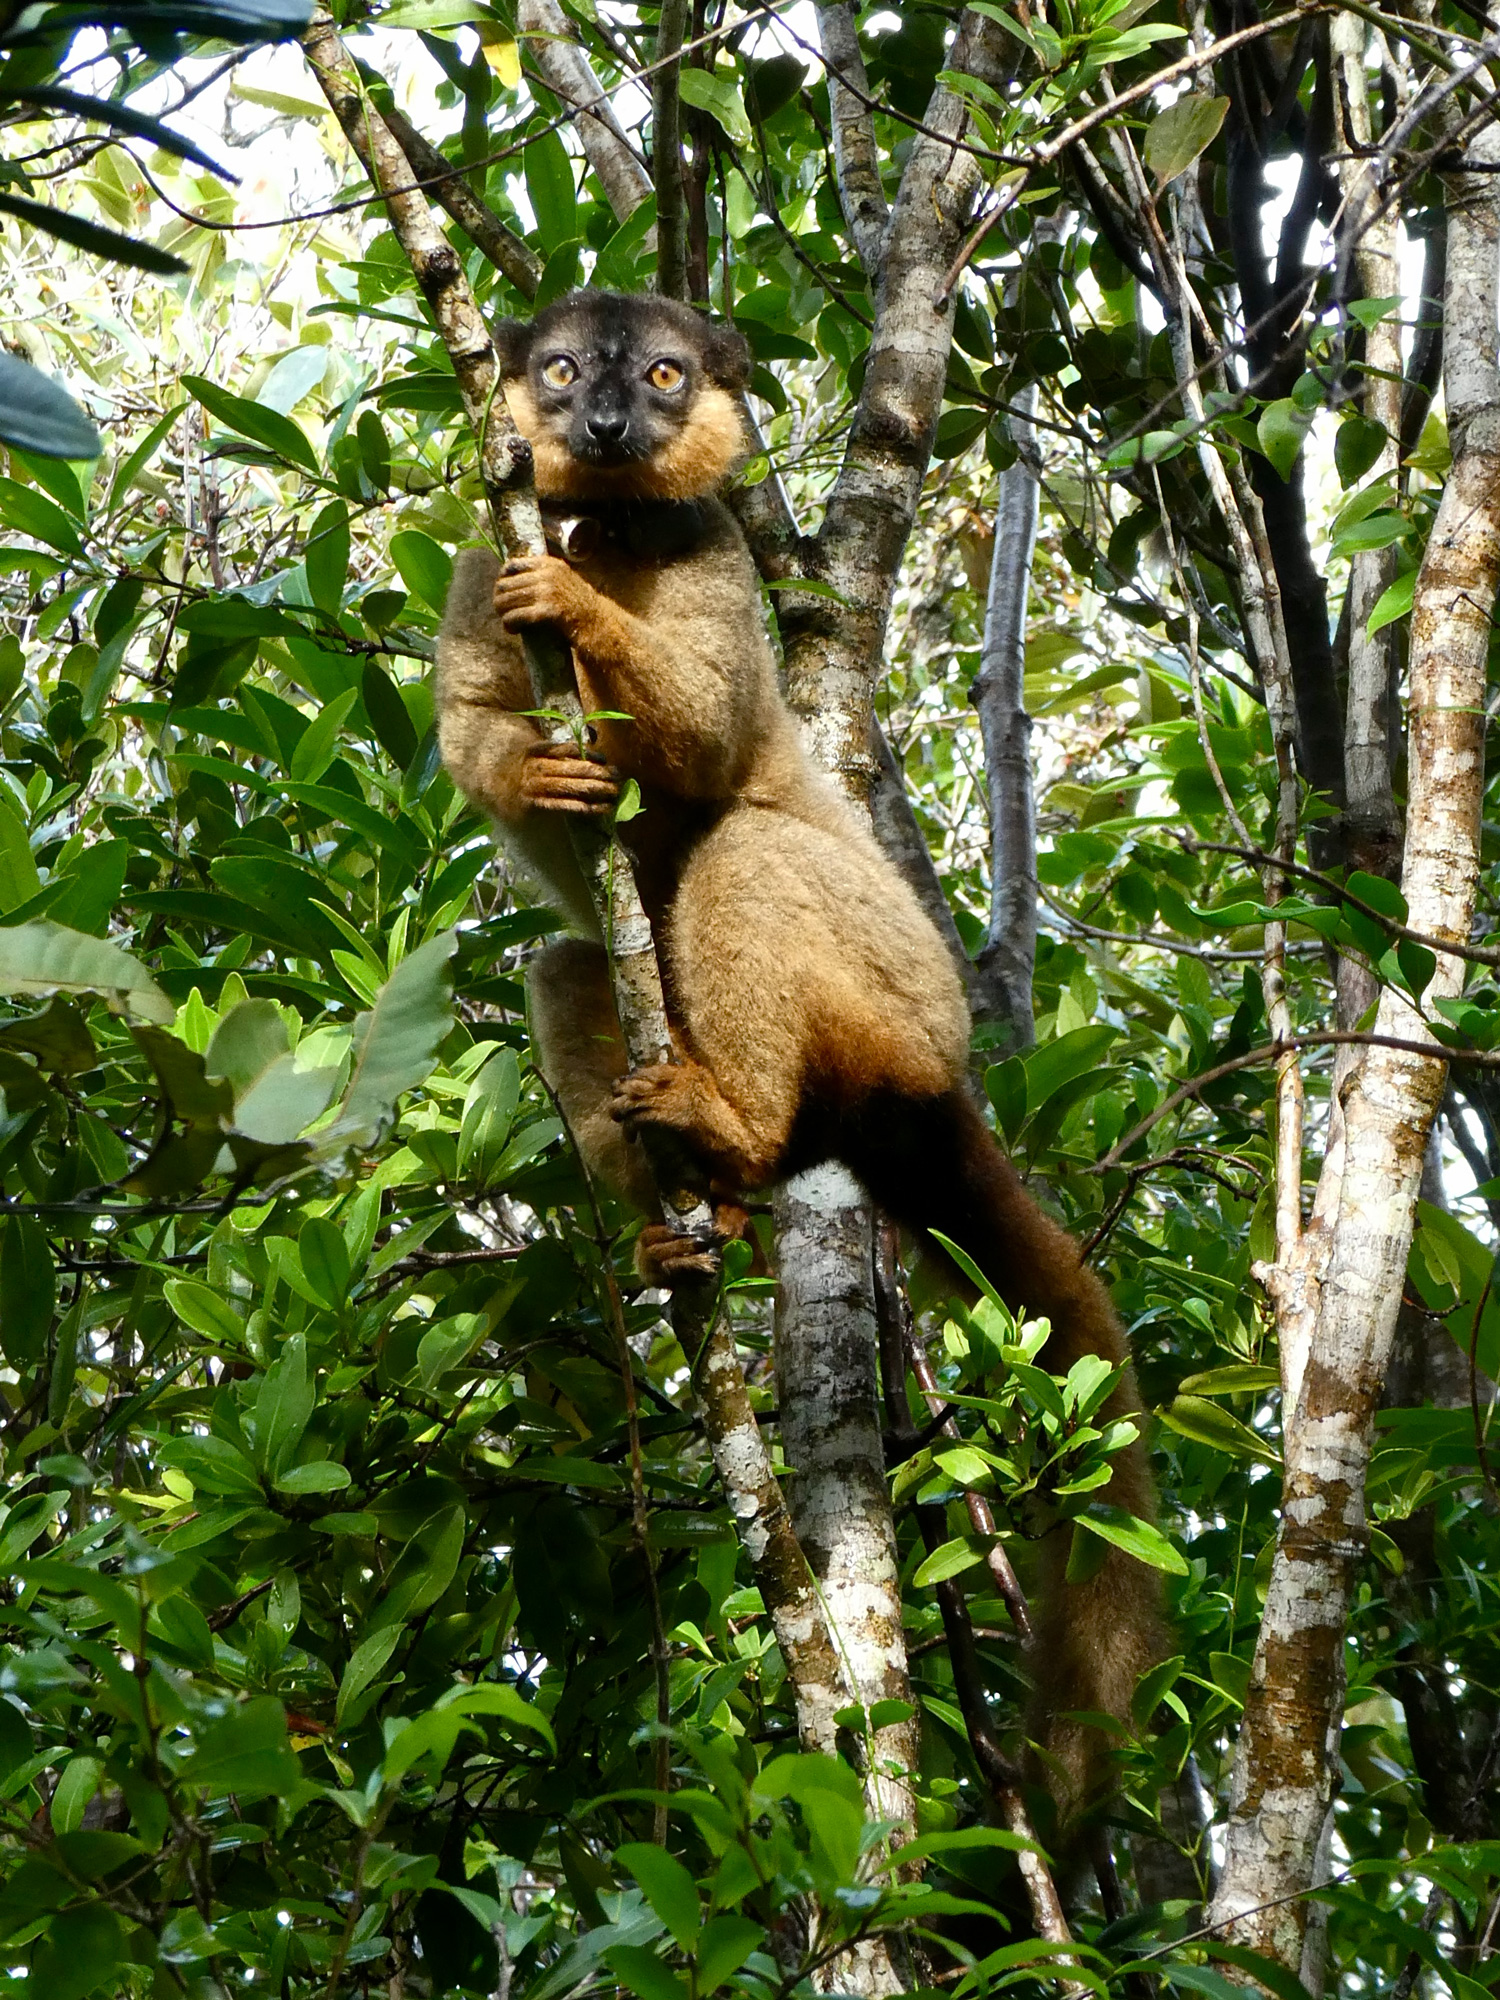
{"x": 479, "y": 222}
{"x": 569, "y": 75}
{"x": 666, "y": 153}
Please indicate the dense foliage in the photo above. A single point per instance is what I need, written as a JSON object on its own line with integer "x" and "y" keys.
{"x": 357, "y": 1529}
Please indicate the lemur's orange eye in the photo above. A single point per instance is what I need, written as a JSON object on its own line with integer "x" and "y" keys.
{"x": 560, "y": 372}
{"x": 664, "y": 374}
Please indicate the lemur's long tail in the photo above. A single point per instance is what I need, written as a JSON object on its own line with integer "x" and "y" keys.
{"x": 934, "y": 1164}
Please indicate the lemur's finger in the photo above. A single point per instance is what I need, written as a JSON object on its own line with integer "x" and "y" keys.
{"x": 556, "y": 752}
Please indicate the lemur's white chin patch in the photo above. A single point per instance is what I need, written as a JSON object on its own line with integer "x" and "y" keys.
{"x": 696, "y": 462}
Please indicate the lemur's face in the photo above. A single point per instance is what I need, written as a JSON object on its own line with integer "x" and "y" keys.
{"x": 626, "y": 397}
{"x": 615, "y": 404}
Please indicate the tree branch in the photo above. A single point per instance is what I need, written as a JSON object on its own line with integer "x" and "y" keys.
{"x": 479, "y": 222}
{"x": 666, "y": 153}
{"x": 856, "y": 156}
{"x": 569, "y": 75}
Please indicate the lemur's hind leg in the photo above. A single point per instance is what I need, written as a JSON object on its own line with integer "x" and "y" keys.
{"x": 804, "y": 973}
{"x": 582, "y": 1055}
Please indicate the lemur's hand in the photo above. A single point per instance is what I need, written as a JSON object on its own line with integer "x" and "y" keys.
{"x": 561, "y": 778}
{"x": 543, "y": 590}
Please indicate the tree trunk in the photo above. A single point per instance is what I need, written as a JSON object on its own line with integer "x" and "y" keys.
{"x": 1008, "y": 959}
{"x": 1286, "y": 1766}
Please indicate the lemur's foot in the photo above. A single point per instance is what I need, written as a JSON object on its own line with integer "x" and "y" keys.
{"x": 665, "y": 1257}
{"x": 558, "y": 777}
{"x": 664, "y": 1094}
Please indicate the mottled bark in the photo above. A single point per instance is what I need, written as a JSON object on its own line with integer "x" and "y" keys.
{"x": 856, "y": 157}
{"x": 445, "y": 184}
{"x": 830, "y": 1434}
{"x": 834, "y": 654}
{"x": 1286, "y": 1765}
{"x": 569, "y": 75}
{"x": 835, "y": 650}
{"x": 1008, "y": 958}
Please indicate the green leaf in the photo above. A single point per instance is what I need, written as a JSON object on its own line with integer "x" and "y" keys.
{"x": 549, "y": 184}
{"x": 396, "y": 1043}
{"x": 283, "y": 1407}
{"x": 1239, "y": 1378}
{"x": 76, "y": 1786}
{"x": 325, "y": 1261}
{"x": 28, "y": 1291}
{"x": 1176, "y": 136}
{"x": 644, "y": 1973}
{"x": 208, "y": 1312}
{"x": 268, "y": 427}
{"x": 952, "y": 1559}
{"x": 424, "y": 566}
{"x": 44, "y": 957}
{"x": 1357, "y": 444}
{"x": 327, "y": 556}
{"x": 1059, "y": 1062}
{"x": 82, "y": 1950}
{"x": 318, "y": 744}
{"x": 246, "y": 1752}
{"x": 1206, "y": 1423}
{"x": 131, "y": 468}
{"x": 1394, "y": 602}
{"x": 92, "y": 236}
{"x": 1136, "y": 1537}
{"x": 365, "y": 1664}
{"x": 489, "y": 1113}
{"x": 388, "y": 714}
{"x": 39, "y": 416}
{"x": 720, "y": 97}
{"x": 424, "y": 1569}
{"x": 320, "y": 1475}
{"x": 724, "y": 1943}
{"x": 293, "y": 376}
{"x": 966, "y": 1840}
{"x": 32, "y": 513}
{"x": 670, "y": 1889}
{"x": 1281, "y": 430}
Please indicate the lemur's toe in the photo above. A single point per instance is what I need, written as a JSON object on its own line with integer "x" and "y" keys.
{"x": 665, "y": 1257}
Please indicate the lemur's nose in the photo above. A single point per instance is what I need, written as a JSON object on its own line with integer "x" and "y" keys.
{"x": 607, "y": 426}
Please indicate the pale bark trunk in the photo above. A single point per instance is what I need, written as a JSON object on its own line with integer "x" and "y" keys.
{"x": 1008, "y": 959}
{"x": 825, "y": 1327}
{"x": 1286, "y": 1765}
{"x": 830, "y": 1433}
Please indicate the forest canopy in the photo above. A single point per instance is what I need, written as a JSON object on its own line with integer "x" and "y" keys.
{"x": 1125, "y": 491}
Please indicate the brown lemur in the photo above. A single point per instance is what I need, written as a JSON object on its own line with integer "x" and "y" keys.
{"x": 815, "y": 1009}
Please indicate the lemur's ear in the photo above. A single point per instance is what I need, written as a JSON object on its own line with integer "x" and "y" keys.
{"x": 513, "y": 345}
{"x": 726, "y": 358}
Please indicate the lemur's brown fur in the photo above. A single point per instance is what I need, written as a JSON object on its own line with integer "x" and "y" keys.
{"x": 816, "y": 1010}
